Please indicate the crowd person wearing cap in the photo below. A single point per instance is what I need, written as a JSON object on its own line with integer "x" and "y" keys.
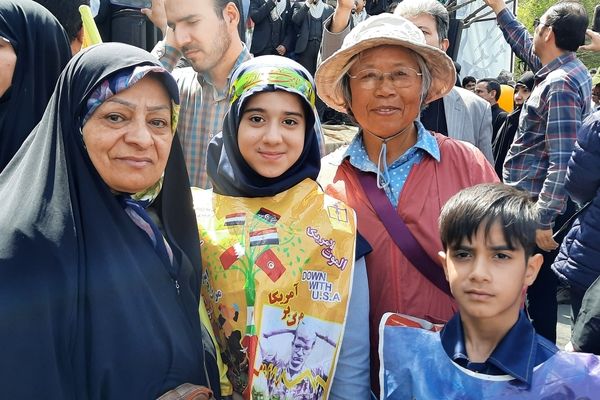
{"x": 33, "y": 51}
{"x": 551, "y": 118}
{"x": 505, "y": 136}
{"x": 100, "y": 277}
{"x": 459, "y": 114}
{"x": 395, "y": 172}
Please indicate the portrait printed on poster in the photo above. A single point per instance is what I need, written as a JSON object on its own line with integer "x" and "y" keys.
{"x": 294, "y": 362}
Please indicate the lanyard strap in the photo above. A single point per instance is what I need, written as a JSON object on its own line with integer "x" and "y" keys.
{"x": 403, "y": 238}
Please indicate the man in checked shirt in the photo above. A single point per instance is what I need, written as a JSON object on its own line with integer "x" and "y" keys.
{"x": 206, "y": 33}
{"x": 551, "y": 117}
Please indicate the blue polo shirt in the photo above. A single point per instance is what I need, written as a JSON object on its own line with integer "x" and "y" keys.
{"x": 516, "y": 355}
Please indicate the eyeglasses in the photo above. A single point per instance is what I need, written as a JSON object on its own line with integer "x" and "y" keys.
{"x": 401, "y": 77}
{"x": 537, "y": 22}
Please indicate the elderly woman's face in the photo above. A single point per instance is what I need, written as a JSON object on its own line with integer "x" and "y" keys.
{"x": 391, "y": 104}
{"x": 8, "y": 59}
{"x": 128, "y": 138}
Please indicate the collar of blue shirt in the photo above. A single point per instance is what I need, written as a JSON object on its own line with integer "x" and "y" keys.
{"x": 516, "y": 354}
{"x": 357, "y": 153}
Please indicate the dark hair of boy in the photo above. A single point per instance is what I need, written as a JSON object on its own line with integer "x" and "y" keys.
{"x": 482, "y": 206}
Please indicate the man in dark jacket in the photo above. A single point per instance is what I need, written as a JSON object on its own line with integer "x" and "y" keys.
{"x": 577, "y": 263}
{"x": 489, "y": 90}
{"x": 586, "y": 331}
{"x": 273, "y": 30}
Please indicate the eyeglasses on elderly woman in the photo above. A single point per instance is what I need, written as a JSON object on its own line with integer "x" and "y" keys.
{"x": 401, "y": 77}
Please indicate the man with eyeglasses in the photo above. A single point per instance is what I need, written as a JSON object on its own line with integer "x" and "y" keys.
{"x": 551, "y": 117}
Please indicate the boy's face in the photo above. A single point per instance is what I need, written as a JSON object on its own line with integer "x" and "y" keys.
{"x": 487, "y": 278}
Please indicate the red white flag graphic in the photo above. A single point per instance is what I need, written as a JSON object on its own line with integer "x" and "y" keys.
{"x": 231, "y": 255}
{"x": 270, "y": 264}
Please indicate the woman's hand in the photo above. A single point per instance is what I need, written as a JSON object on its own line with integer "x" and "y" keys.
{"x": 157, "y": 15}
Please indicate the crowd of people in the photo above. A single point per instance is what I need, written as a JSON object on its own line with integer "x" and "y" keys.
{"x": 172, "y": 227}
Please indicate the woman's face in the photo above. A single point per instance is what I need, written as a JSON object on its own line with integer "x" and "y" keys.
{"x": 128, "y": 138}
{"x": 521, "y": 94}
{"x": 386, "y": 109}
{"x": 271, "y": 132}
{"x": 8, "y": 59}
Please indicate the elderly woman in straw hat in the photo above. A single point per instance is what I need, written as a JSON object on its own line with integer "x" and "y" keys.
{"x": 395, "y": 173}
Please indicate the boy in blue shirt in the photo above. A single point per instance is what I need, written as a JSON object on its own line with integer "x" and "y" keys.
{"x": 489, "y": 349}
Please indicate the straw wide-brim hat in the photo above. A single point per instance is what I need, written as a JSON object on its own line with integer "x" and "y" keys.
{"x": 379, "y": 30}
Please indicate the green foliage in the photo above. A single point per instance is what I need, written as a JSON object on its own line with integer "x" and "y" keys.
{"x": 528, "y": 10}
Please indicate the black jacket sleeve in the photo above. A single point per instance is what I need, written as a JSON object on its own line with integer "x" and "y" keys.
{"x": 586, "y": 333}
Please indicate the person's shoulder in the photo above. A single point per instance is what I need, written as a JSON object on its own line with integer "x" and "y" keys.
{"x": 545, "y": 346}
{"x": 462, "y": 155}
{"x": 469, "y": 98}
{"x": 572, "y": 74}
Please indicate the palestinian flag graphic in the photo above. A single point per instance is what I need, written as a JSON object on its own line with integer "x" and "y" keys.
{"x": 263, "y": 237}
{"x": 268, "y": 216}
{"x": 235, "y": 219}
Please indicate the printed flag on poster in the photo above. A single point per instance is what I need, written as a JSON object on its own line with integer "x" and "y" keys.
{"x": 270, "y": 264}
{"x": 338, "y": 212}
{"x": 235, "y": 219}
{"x": 263, "y": 237}
{"x": 231, "y": 255}
{"x": 268, "y": 216}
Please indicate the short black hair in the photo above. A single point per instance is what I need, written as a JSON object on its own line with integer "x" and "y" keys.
{"x": 492, "y": 84}
{"x": 482, "y": 206}
{"x": 569, "y": 21}
{"x": 468, "y": 79}
{"x": 67, "y": 13}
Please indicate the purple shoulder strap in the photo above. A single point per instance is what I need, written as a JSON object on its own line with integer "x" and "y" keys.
{"x": 404, "y": 239}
